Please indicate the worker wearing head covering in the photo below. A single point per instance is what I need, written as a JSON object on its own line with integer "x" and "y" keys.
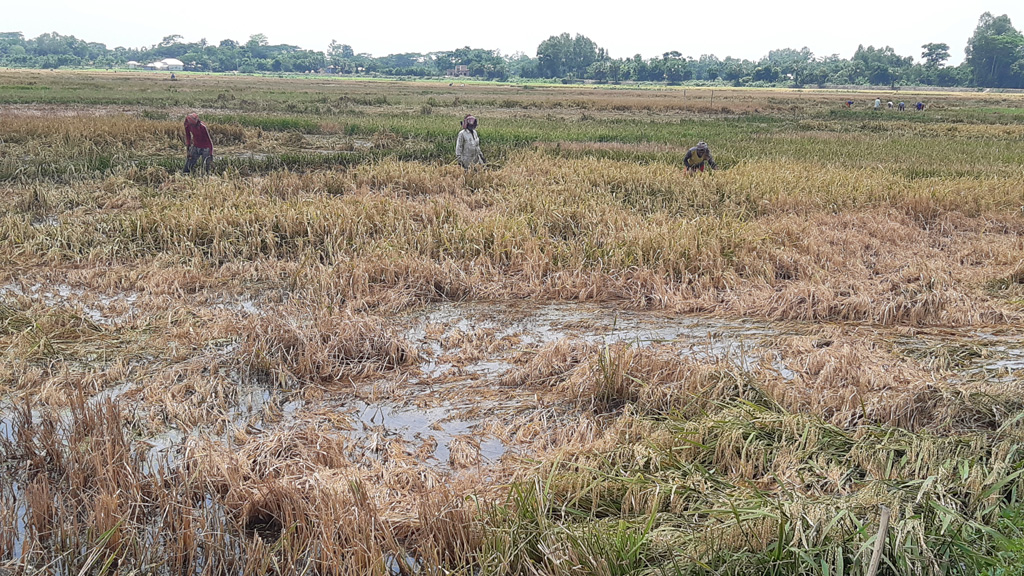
{"x": 467, "y": 146}
{"x": 697, "y": 157}
{"x": 198, "y": 142}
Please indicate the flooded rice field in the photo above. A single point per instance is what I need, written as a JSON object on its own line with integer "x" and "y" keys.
{"x": 339, "y": 353}
{"x": 462, "y": 402}
{"x": 487, "y": 390}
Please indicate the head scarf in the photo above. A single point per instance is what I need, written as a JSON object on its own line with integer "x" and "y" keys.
{"x": 192, "y": 119}
{"x": 469, "y": 122}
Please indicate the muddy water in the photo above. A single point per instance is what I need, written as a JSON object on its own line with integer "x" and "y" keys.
{"x": 700, "y": 338}
{"x": 417, "y": 425}
{"x": 428, "y": 409}
{"x": 96, "y": 308}
{"x": 442, "y": 332}
{"x": 463, "y": 349}
{"x": 970, "y": 356}
{"x": 469, "y": 346}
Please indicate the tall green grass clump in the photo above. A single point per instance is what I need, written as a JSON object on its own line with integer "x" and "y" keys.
{"x": 749, "y": 488}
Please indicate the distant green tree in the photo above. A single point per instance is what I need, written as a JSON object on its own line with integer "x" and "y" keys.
{"x": 306, "y": 61}
{"x": 635, "y": 68}
{"x": 766, "y": 73}
{"x": 334, "y": 53}
{"x": 520, "y": 64}
{"x": 599, "y": 71}
{"x": 171, "y": 40}
{"x": 994, "y": 51}
{"x": 481, "y": 63}
{"x": 935, "y": 54}
{"x": 733, "y": 69}
{"x": 340, "y": 56}
{"x": 953, "y": 75}
{"x": 224, "y": 57}
{"x": 707, "y": 67}
{"x": 675, "y": 68}
{"x": 11, "y": 38}
{"x": 562, "y": 56}
{"x": 257, "y": 46}
{"x": 791, "y": 63}
{"x": 932, "y": 71}
{"x": 9, "y": 41}
{"x": 882, "y": 65}
{"x": 197, "y": 60}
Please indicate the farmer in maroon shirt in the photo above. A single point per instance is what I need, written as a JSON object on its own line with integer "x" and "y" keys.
{"x": 197, "y": 139}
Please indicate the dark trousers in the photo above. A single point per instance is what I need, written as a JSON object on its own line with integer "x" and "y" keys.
{"x": 194, "y": 154}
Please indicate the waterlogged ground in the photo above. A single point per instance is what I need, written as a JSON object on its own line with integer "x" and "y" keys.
{"x": 453, "y": 409}
{"x": 454, "y": 390}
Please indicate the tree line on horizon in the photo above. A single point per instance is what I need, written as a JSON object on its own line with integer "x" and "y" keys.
{"x": 994, "y": 59}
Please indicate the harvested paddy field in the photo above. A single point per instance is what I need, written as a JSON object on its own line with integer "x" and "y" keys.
{"x": 339, "y": 353}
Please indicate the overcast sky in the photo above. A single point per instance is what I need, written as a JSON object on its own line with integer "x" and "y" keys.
{"x": 739, "y": 28}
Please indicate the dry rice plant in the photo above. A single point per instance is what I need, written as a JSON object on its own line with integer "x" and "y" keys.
{"x": 329, "y": 349}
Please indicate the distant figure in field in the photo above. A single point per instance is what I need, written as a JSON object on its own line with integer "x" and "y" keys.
{"x": 919, "y": 106}
{"x": 697, "y": 157}
{"x": 198, "y": 143}
{"x": 889, "y": 104}
{"x": 467, "y": 147}
{"x": 902, "y": 106}
{"x": 172, "y": 76}
{"x": 878, "y": 103}
{"x": 849, "y": 103}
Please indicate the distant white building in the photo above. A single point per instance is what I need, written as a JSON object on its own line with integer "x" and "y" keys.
{"x": 172, "y": 64}
{"x": 133, "y": 65}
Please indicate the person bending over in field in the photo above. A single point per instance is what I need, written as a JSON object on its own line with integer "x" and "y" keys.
{"x": 467, "y": 147}
{"x": 198, "y": 142}
{"x": 697, "y": 157}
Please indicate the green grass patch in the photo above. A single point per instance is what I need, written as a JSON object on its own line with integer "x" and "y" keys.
{"x": 752, "y": 489}
{"x": 268, "y": 123}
